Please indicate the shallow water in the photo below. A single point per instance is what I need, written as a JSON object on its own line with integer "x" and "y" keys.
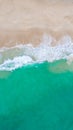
{"x": 37, "y": 96}
{"x": 36, "y": 86}
{"x": 19, "y": 55}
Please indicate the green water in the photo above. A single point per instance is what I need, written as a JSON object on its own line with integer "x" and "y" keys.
{"x": 37, "y": 97}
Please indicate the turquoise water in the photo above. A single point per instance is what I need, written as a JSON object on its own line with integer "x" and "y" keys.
{"x": 37, "y": 97}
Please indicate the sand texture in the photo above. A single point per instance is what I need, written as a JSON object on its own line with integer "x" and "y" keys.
{"x": 23, "y": 21}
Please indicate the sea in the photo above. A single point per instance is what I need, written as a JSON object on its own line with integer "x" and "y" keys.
{"x": 36, "y": 85}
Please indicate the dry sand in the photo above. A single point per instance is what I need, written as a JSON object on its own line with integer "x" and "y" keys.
{"x": 23, "y": 21}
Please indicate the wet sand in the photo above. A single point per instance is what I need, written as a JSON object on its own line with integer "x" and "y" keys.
{"x": 24, "y": 21}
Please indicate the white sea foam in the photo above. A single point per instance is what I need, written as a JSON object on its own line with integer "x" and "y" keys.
{"x": 15, "y": 63}
{"x": 19, "y": 55}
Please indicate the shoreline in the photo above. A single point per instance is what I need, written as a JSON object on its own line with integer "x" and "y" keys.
{"x": 34, "y": 36}
{"x": 26, "y": 21}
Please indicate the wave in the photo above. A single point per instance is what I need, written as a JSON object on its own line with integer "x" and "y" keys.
{"x": 19, "y": 55}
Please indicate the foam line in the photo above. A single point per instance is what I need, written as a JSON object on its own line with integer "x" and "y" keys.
{"x": 19, "y": 55}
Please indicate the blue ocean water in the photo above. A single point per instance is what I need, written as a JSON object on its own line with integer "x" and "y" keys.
{"x": 37, "y": 97}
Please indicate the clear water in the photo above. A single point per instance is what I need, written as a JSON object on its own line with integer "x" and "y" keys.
{"x": 37, "y": 96}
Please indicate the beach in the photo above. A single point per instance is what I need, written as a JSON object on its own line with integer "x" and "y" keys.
{"x": 36, "y": 65}
{"x": 26, "y": 21}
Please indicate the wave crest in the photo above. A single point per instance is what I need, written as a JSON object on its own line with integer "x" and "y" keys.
{"x": 19, "y": 55}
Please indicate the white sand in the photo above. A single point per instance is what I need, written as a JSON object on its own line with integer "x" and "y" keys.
{"x": 26, "y": 20}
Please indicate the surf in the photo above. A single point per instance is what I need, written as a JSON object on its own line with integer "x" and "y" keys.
{"x": 36, "y": 86}
{"x": 20, "y": 55}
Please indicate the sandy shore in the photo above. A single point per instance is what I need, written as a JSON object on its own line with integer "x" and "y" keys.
{"x": 23, "y": 21}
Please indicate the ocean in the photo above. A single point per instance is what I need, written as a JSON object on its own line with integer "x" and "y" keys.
{"x": 36, "y": 87}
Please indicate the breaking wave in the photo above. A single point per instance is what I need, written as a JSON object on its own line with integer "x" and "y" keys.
{"x": 20, "y": 55}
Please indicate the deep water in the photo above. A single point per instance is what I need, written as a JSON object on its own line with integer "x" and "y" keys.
{"x": 37, "y": 97}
